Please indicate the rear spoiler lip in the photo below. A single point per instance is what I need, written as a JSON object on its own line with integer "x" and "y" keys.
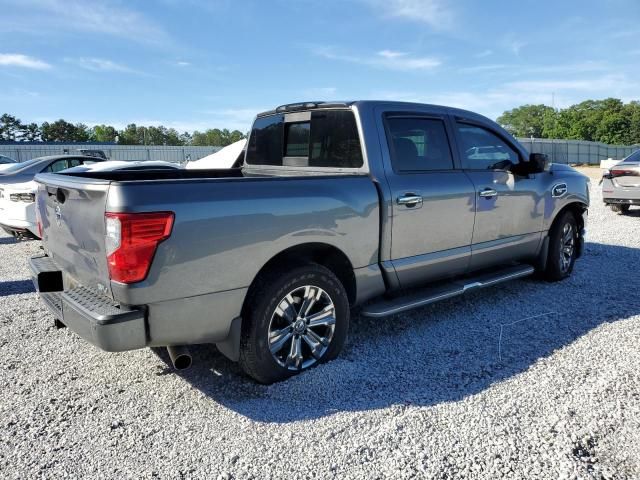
{"x": 62, "y": 180}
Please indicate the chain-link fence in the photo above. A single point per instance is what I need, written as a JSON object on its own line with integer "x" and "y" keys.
{"x": 576, "y": 151}
{"x": 25, "y": 152}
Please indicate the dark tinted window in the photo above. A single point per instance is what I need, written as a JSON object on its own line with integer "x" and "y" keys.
{"x": 334, "y": 140}
{"x": 329, "y": 140}
{"x": 265, "y": 142}
{"x": 419, "y": 144}
{"x": 481, "y": 149}
{"x": 297, "y": 139}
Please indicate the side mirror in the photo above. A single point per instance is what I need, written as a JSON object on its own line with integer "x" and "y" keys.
{"x": 538, "y": 163}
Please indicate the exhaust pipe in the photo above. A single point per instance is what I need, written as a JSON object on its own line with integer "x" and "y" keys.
{"x": 180, "y": 357}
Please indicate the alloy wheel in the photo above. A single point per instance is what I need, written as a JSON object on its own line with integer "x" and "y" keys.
{"x": 567, "y": 247}
{"x": 302, "y": 327}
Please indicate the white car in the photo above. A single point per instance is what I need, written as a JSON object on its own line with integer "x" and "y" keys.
{"x": 112, "y": 165}
{"x": 17, "y": 209}
{"x": 17, "y": 201}
{"x": 6, "y": 162}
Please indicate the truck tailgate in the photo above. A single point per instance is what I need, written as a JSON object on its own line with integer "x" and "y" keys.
{"x": 71, "y": 212}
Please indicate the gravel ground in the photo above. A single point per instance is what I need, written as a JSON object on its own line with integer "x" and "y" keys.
{"x": 525, "y": 380}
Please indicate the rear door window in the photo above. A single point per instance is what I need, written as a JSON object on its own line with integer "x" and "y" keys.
{"x": 418, "y": 144}
{"x": 328, "y": 138}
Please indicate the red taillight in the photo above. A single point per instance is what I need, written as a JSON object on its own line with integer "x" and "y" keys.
{"x": 131, "y": 242}
{"x": 38, "y": 218}
{"x": 622, "y": 173}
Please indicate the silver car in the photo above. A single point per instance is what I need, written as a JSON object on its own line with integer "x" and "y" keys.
{"x": 621, "y": 184}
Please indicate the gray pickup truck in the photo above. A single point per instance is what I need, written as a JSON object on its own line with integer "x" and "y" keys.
{"x": 387, "y": 206}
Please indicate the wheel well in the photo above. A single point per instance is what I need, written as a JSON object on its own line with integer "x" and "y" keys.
{"x": 326, "y": 255}
{"x": 577, "y": 209}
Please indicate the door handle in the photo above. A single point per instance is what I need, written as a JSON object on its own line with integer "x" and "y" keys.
{"x": 410, "y": 200}
{"x": 487, "y": 193}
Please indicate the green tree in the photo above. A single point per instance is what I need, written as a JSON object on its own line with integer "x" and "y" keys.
{"x": 131, "y": 135}
{"x": 609, "y": 121}
{"x": 526, "y": 121}
{"x": 63, "y": 131}
{"x": 103, "y": 133}
{"x": 185, "y": 138}
{"x": 216, "y": 137}
{"x": 10, "y": 127}
{"x": 30, "y": 132}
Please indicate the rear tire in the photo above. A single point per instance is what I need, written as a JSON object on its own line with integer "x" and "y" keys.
{"x": 294, "y": 319}
{"x": 563, "y": 244}
{"x": 619, "y": 208}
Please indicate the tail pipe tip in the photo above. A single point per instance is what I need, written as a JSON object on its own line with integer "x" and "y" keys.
{"x": 180, "y": 357}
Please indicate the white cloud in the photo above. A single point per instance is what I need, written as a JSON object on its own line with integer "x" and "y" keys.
{"x": 564, "y": 69}
{"x": 100, "y": 65}
{"x": 493, "y": 101}
{"x": 23, "y": 61}
{"x": 182, "y": 63}
{"x": 231, "y": 118}
{"x": 95, "y": 17}
{"x": 391, "y": 54}
{"x": 485, "y": 68}
{"x": 320, "y": 93}
{"x": 435, "y": 13}
{"x": 387, "y": 59}
{"x": 613, "y": 84}
{"x": 484, "y": 53}
{"x": 513, "y": 44}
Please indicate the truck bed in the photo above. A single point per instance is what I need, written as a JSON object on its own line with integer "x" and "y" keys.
{"x": 227, "y": 225}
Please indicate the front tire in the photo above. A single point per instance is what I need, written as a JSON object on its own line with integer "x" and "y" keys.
{"x": 563, "y": 244}
{"x": 294, "y": 320}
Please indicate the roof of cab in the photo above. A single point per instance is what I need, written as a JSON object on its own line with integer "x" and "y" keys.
{"x": 312, "y": 105}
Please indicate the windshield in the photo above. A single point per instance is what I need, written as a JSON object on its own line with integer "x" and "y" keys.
{"x": 634, "y": 157}
{"x": 20, "y": 166}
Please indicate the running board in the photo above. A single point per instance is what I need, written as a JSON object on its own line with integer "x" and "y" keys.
{"x": 441, "y": 292}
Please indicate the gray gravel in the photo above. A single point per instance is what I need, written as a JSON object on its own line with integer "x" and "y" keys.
{"x": 527, "y": 380}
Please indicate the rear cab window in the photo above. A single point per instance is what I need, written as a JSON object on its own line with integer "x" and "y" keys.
{"x": 319, "y": 139}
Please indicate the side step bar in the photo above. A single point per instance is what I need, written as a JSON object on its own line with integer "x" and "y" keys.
{"x": 441, "y": 292}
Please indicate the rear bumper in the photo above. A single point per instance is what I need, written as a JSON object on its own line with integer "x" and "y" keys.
{"x": 96, "y": 318}
{"x": 14, "y": 227}
{"x": 18, "y": 217}
{"x": 622, "y": 201}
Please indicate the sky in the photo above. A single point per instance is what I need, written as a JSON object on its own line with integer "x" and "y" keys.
{"x": 197, "y": 64}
